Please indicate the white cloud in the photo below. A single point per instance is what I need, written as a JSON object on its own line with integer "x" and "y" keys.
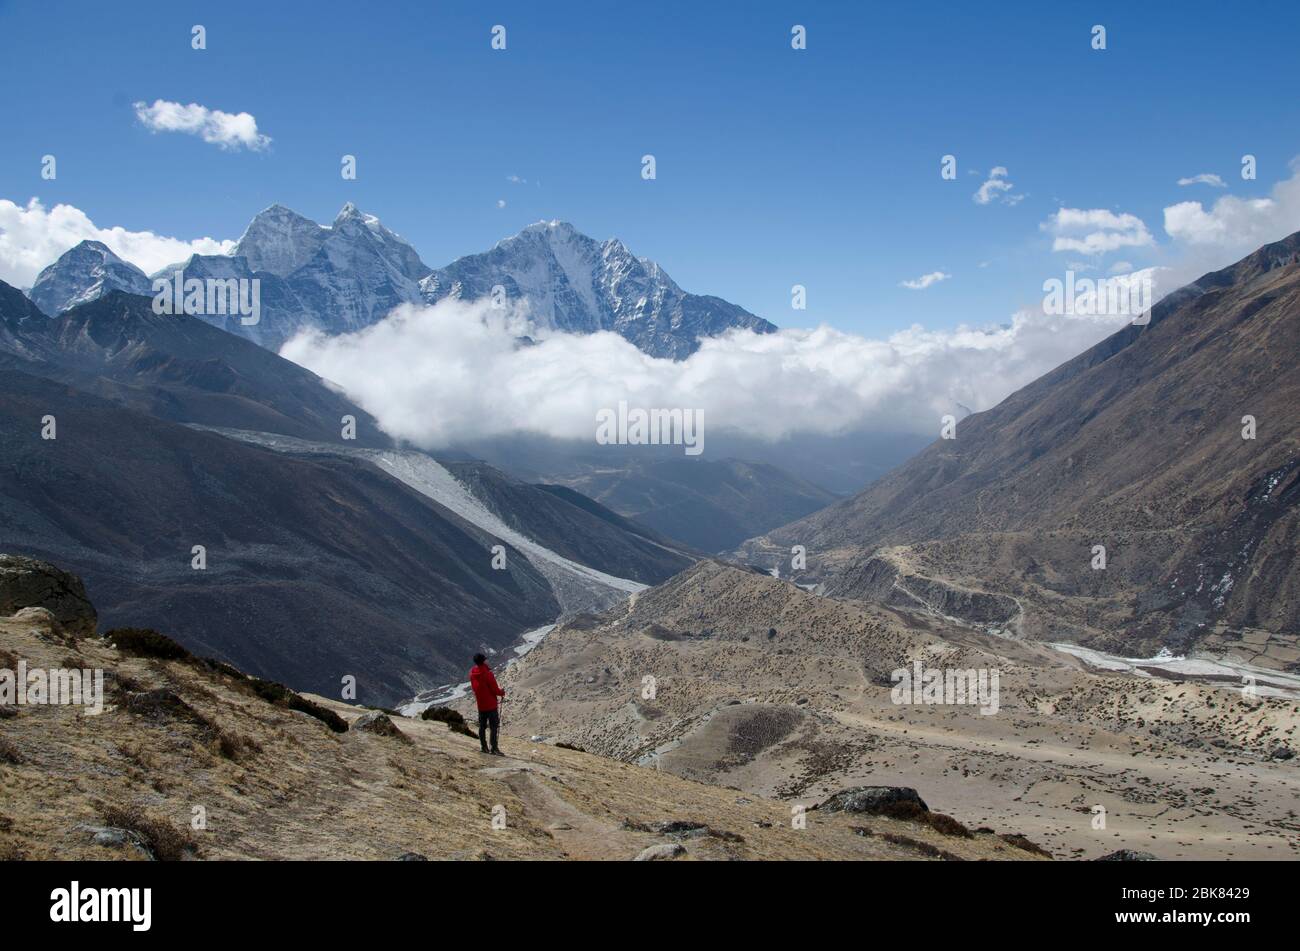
{"x": 1205, "y": 178}
{"x": 925, "y": 280}
{"x": 516, "y": 180}
{"x": 501, "y": 202}
{"x": 434, "y": 375}
{"x": 996, "y": 188}
{"x": 224, "y": 129}
{"x": 1238, "y": 225}
{"x": 32, "y": 238}
{"x": 1096, "y": 230}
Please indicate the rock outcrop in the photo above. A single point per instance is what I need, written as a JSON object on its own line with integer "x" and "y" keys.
{"x": 29, "y": 583}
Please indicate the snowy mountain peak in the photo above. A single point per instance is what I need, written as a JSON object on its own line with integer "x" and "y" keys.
{"x": 279, "y": 240}
{"x": 576, "y": 284}
{"x": 349, "y": 212}
{"x": 85, "y": 272}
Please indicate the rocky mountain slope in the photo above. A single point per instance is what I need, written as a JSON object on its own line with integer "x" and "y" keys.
{"x": 272, "y": 777}
{"x": 1137, "y": 446}
{"x": 561, "y": 537}
{"x": 711, "y": 504}
{"x": 177, "y": 367}
{"x": 348, "y": 275}
{"x": 315, "y": 568}
{"x": 134, "y": 548}
{"x": 731, "y": 677}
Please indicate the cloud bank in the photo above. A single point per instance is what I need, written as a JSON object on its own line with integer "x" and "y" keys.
{"x": 1238, "y": 225}
{"x": 1096, "y": 230}
{"x": 458, "y": 370}
{"x": 32, "y": 237}
{"x": 226, "y": 130}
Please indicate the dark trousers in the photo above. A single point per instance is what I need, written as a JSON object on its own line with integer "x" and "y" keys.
{"x": 486, "y": 719}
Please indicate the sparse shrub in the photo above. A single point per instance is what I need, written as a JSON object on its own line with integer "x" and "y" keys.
{"x": 570, "y": 746}
{"x": 947, "y": 825}
{"x": 212, "y": 665}
{"x": 907, "y": 842}
{"x": 8, "y": 752}
{"x": 282, "y": 696}
{"x": 455, "y": 722}
{"x": 1020, "y": 842}
{"x": 161, "y": 837}
{"x": 164, "y": 704}
{"x": 146, "y": 642}
{"x": 236, "y": 747}
{"x": 122, "y": 684}
{"x": 8, "y": 659}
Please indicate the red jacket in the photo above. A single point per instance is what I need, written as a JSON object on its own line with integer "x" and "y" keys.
{"x": 484, "y": 684}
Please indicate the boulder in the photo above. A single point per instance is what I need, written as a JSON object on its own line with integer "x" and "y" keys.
{"x": 896, "y": 801}
{"x": 1127, "y": 855}
{"x": 28, "y": 583}
{"x": 378, "y": 723}
{"x": 664, "y": 852}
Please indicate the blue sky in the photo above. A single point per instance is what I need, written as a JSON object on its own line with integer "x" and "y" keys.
{"x": 775, "y": 166}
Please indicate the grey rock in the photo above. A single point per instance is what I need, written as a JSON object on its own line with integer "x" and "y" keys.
{"x": 1127, "y": 855}
{"x": 875, "y": 800}
{"x": 664, "y": 852}
{"x": 379, "y": 724}
{"x": 28, "y": 583}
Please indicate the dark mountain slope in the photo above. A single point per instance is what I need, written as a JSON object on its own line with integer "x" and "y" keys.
{"x": 178, "y": 367}
{"x": 317, "y": 568}
{"x": 1135, "y": 445}
{"x": 574, "y": 526}
{"x": 709, "y": 504}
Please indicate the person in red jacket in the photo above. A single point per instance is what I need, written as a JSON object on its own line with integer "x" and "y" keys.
{"x": 486, "y": 690}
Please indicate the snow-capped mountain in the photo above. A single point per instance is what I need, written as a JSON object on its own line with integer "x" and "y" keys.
{"x": 350, "y": 274}
{"x": 360, "y": 272}
{"x": 85, "y": 273}
{"x": 577, "y": 284}
{"x": 279, "y": 240}
{"x": 335, "y": 278}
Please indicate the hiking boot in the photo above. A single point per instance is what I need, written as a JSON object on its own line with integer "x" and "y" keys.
{"x": 497, "y": 753}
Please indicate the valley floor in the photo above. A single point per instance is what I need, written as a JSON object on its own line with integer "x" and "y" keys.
{"x": 762, "y": 686}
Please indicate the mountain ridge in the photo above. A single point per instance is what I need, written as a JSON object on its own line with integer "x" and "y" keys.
{"x": 348, "y": 275}
{"x": 1135, "y": 445}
